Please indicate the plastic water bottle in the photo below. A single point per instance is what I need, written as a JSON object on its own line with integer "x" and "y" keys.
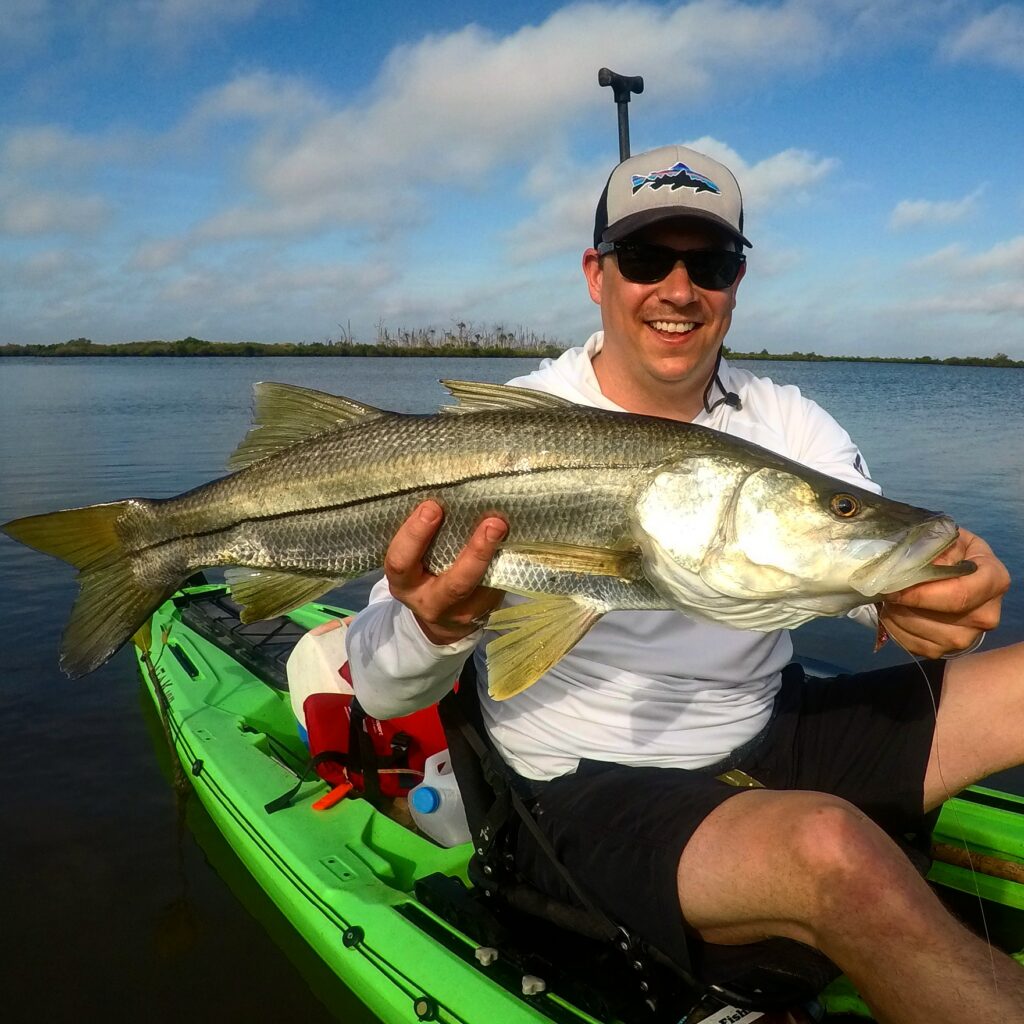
{"x": 436, "y": 803}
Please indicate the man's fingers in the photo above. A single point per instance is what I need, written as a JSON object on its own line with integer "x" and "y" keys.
{"x": 926, "y": 637}
{"x": 973, "y": 600}
{"x": 468, "y": 569}
{"x": 403, "y": 563}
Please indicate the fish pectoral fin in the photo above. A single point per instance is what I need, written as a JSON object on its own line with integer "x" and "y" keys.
{"x": 284, "y": 414}
{"x": 622, "y": 564}
{"x": 540, "y": 632}
{"x": 478, "y": 396}
{"x": 265, "y": 593}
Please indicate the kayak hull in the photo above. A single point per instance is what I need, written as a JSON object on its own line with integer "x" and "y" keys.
{"x": 345, "y": 877}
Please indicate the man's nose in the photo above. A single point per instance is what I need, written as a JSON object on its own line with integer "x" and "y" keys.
{"x": 677, "y": 287}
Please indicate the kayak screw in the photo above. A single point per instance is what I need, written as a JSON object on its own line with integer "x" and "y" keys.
{"x": 623, "y": 945}
{"x": 532, "y": 985}
{"x": 425, "y": 1008}
{"x": 488, "y": 870}
{"x": 637, "y": 965}
{"x": 197, "y": 767}
{"x": 352, "y": 936}
{"x": 644, "y": 987}
{"x": 480, "y": 851}
{"x": 486, "y": 955}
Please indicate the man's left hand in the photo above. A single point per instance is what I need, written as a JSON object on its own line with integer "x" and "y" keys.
{"x": 948, "y": 616}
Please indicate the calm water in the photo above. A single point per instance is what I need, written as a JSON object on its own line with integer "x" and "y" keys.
{"x": 122, "y": 903}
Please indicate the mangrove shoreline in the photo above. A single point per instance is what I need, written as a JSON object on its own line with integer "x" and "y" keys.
{"x": 197, "y": 347}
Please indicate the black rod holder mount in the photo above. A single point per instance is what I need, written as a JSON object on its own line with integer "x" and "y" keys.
{"x": 622, "y": 86}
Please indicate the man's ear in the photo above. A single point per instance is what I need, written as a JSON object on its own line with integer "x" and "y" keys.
{"x": 594, "y": 273}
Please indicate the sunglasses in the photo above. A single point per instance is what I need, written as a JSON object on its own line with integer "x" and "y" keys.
{"x": 646, "y": 263}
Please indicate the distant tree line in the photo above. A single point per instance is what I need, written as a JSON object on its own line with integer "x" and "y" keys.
{"x": 999, "y": 359}
{"x": 462, "y": 339}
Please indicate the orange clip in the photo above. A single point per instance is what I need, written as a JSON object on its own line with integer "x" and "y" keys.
{"x": 335, "y": 796}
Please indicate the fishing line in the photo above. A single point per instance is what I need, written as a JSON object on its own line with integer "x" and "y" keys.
{"x": 951, "y": 803}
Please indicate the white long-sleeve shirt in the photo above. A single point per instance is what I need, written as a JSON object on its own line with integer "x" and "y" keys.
{"x": 643, "y": 688}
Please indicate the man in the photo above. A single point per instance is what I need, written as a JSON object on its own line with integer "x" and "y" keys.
{"x": 629, "y": 730}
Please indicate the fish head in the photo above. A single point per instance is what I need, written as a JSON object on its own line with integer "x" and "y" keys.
{"x": 721, "y": 535}
{"x": 802, "y": 530}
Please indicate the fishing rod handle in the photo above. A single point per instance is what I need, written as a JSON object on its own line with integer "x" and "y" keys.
{"x": 622, "y": 86}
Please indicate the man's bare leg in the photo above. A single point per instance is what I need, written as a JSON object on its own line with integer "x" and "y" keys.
{"x": 811, "y": 867}
{"x": 980, "y": 728}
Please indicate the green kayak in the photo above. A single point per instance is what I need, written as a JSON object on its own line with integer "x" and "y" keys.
{"x": 346, "y": 877}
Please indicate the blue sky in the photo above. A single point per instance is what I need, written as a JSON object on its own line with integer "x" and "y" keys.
{"x": 278, "y": 171}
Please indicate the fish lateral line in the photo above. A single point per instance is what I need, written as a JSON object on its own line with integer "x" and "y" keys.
{"x": 430, "y": 494}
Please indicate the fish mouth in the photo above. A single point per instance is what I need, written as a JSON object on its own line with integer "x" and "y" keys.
{"x": 910, "y": 562}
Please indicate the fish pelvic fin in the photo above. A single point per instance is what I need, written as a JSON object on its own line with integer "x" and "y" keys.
{"x": 284, "y": 414}
{"x": 479, "y": 396}
{"x": 265, "y": 594}
{"x": 113, "y": 603}
{"x": 541, "y": 631}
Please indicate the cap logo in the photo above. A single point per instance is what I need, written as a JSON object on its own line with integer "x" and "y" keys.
{"x": 677, "y": 176}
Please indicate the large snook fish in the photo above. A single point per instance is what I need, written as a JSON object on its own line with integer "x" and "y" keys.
{"x": 606, "y": 511}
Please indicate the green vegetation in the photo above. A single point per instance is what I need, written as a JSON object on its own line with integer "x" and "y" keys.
{"x": 999, "y": 359}
{"x": 463, "y": 340}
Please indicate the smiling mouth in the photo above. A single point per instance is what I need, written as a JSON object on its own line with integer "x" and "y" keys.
{"x": 672, "y": 327}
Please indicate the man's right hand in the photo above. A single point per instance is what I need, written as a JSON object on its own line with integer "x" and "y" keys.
{"x": 450, "y": 606}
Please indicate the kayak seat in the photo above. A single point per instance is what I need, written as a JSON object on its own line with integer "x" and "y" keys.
{"x": 262, "y": 647}
{"x": 567, "y": 937}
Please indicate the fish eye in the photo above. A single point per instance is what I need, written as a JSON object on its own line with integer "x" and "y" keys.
{"x": 844, "y": 505}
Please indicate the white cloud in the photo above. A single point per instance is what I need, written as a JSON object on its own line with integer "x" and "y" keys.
{"x": 912, "y": 213}
{"x": 158, "y": 254}
{"x": 1002, "y": 258}
{"x": 995, "y": 37}
{"x": 51, "y": 146}
{"x": 1005, "y": 257}
{"x": 993, "y": 300}
{"x": 455, "y": 109}
{"x": 989, "y": 283}
{"x": 785, "y": 175}
{"x": 173, "y": 25}
{"x": 258, "y": 96}
{"x": 26, "y": 211}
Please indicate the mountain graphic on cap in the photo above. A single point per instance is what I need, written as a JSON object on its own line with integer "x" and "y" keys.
{"x": 677, "y": 176}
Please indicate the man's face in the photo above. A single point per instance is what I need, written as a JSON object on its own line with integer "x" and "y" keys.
{"x": 660, "y": 339}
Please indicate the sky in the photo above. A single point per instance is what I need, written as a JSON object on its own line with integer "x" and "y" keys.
{"x": 271, "y": 170}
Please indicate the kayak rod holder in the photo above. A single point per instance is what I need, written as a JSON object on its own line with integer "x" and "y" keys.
{"x": 621, "y": 86}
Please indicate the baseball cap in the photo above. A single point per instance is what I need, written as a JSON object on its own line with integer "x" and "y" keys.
{"x": 661, "y": 184}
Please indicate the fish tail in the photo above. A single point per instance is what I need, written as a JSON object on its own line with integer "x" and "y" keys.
{"x": 113, "y": 603}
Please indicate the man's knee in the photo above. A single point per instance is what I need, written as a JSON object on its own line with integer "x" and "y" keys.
{"x": 834, "y": 844}
{"x": 813, "y": 860}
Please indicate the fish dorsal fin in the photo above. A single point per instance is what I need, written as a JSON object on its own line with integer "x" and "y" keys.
{"x": 284, "y": 414}
{"x": 478, "y": 396}
{"x": 265, "y": 594}
{"x": 541, "y": 631}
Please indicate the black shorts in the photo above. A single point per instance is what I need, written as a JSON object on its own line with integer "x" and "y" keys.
{"x": 621, "y": 830}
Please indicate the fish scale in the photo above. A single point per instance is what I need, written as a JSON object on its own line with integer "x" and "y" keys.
{"x": 605, "y": 510}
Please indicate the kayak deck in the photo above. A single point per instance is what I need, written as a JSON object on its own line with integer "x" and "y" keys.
{"x": 345, "y": 877}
